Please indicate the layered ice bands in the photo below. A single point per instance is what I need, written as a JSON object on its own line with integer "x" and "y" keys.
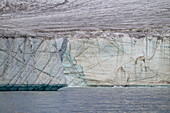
{"x": 103, "y": 59}
{"x": 118, "y": 60}
{"x": 31, "y": 63}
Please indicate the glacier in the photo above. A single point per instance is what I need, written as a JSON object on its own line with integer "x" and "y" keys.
{"x": 29, "y": 62}
{"x": 48, "y": 44}
{"x": 110, "y": 59}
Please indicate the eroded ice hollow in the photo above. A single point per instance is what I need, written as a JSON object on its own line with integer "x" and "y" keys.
{"x": 103, "y": 59}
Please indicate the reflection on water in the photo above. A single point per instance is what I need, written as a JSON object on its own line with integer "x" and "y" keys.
{"x": 86, "y": 100}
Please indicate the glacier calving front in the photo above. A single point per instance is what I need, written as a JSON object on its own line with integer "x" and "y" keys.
{"x": 85, "y": 62}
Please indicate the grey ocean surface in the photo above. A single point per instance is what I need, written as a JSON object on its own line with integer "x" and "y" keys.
{"x": 88, "y": 100}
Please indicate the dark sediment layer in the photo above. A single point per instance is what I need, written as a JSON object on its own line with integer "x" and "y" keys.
{"x": 31, "y": 87}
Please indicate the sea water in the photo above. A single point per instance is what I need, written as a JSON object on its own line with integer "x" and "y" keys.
{"x": 88, "y": 100}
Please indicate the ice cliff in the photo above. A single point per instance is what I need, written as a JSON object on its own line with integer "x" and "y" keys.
{"x": 105, "y": 59}
{"x": 31, "y": 61}
{"x": 118, "y": 59}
